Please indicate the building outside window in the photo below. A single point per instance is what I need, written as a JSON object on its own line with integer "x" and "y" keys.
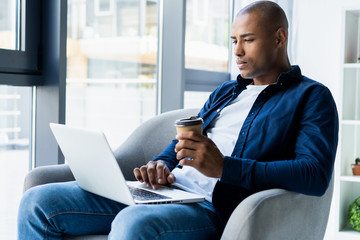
{"x": 207, "y": 35}
{"x": 112, "y": 60}
{"x": 111, "y": 65}
{"x": 206, "y": 42}
{"x": 8, "y": 19}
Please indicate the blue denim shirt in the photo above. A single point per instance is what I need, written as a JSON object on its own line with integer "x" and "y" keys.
{"x": 288, "y": 139}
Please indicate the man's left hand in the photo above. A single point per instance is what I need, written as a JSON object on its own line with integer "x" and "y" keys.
{"x": 204, "y": 154}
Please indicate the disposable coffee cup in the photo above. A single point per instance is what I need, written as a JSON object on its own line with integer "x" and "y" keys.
{"x": 193, "y": 123}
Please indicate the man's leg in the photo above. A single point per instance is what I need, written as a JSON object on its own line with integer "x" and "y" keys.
{"x": 167, "y": 221}
{"x": 53, "y": 210}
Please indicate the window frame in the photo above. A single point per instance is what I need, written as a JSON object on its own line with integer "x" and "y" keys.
{"x": 204, "y": 81}
{"x": 27, "y": 70}
{"x": 42, "y": 66}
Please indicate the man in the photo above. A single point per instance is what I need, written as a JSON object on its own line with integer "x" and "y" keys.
{"x": 271, "y": 128}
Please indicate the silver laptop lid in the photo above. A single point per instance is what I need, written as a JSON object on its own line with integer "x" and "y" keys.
{"x": 96, "y": 170}
{"x": 92, "y": 162}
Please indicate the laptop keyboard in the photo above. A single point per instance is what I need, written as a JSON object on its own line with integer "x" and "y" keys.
{"x": 143, "y": 195}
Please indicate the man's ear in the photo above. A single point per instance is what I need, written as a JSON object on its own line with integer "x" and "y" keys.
{"x": 281, "y": 37}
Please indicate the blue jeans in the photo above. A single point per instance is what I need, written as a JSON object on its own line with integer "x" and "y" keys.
{"x": 56, "y": 210}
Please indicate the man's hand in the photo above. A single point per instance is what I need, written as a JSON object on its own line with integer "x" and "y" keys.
{"x": 154, "y": 173}
{"x": 206, "y": 157}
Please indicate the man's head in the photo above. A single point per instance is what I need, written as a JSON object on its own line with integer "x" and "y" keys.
{"x": 259, "y": 34}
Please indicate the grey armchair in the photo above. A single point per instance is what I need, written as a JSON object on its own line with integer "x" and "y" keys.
{"x": 271, "y": 214}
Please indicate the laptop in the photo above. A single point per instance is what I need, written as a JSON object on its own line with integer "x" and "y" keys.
{"x": 96, "y": 170}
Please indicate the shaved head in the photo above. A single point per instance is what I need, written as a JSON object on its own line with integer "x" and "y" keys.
{"x": 259, "y": 35}
{"x": 271, "y": 15}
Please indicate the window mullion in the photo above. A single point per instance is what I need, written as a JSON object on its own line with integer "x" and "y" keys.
{"x": 171, "y": 55}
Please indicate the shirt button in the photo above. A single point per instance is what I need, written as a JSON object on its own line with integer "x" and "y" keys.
{"x": 242, "y": 133}
{"x": 218, "y": 110}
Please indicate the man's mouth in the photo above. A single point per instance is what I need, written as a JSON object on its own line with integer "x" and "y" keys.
{"x": 241, "y": 64}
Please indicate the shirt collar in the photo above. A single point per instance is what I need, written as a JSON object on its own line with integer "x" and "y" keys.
{"x": 285, "y": 77}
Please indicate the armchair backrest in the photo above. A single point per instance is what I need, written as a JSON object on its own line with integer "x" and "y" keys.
{"x": 148, "y": 140}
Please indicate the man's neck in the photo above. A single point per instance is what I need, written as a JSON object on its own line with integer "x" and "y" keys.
{"x": 272, "y": 77}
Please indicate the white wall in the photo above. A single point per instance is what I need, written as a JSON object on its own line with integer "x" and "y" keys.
{"x": 318, "y": 32}
{"x": 319, "y": 37}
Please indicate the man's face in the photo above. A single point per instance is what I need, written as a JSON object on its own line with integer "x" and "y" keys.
{"x": 254, "y": 47}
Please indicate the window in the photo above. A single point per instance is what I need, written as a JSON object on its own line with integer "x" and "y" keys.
{"x": 111, "y": 65}
{"x": 20, "y": 71}
{"x": 15, "y": 132}
{"x": 206, "y": 48}
{"x": 207, "y": 35}
{"x": 8, "y": 25}
{"x": 103, "y": 7}
{"x": 195, "y": 99}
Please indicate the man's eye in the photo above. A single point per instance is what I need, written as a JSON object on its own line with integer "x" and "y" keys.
{"x": 234, "y": 42}
{"x": 249, "y": 40}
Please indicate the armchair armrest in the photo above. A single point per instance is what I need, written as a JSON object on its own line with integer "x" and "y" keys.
{"x": 279, "y": 214}
{"x": 48, "y": 174}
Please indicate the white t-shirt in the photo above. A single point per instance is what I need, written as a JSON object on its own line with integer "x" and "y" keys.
{"x": 224, "y": 132}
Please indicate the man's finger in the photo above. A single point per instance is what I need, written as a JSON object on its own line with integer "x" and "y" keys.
{"x": 189, "y": 135}
{"x": 187, "y": 162}
{"x": 144, "y": 175}
{"x": 170, "y": 178}
{"x": 160, "y": 172}
{"x": 151, "y": 172}
{"x": 185, "y": 153}
{"x": 137, "y": 175}
{"x": 188, "y": 144}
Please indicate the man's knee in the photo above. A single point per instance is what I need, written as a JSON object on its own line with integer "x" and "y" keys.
{"x": 136, "y": 222}
{"x": 33, "y": 200}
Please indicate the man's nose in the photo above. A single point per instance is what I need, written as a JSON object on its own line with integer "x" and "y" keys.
{"x": 238, "y": 49}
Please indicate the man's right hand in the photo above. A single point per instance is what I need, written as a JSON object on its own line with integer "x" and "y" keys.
{"x": 154, "y": 173}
